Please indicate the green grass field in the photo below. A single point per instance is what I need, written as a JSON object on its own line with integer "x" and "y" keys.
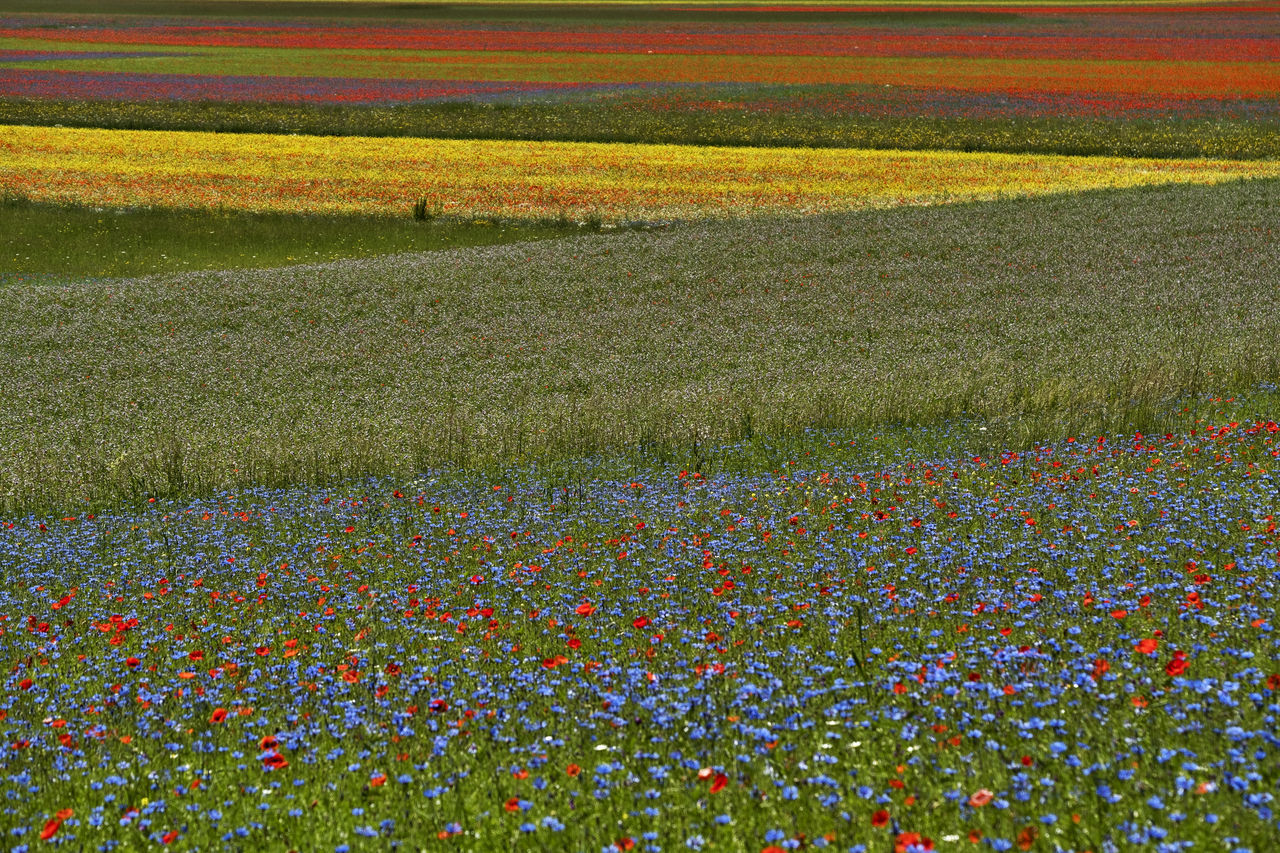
{"x": 1042, "y": 316}
{"x": 41, "y": 241}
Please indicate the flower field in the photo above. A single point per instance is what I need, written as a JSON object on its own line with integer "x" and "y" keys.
{"x": 1072, "y": 647}
{"x": 640, "y": 426}
{"x": 538, "y": 180}
{"x": 1236, "y": 78}
{"x": 1157, "y": 79}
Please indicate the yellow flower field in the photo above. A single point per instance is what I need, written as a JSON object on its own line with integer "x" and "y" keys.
{"x": 484, "y": 178}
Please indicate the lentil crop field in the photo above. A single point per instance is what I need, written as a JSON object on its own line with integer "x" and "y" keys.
{"x": 639, "y": 426}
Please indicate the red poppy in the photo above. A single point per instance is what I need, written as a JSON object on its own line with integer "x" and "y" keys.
{"x": 1273, "y": 681}
{"x": 378, "y": 781}
{"x": 585, "y": 609}
{"x": 880, "y": 818}
{"x": 1101, "y": 666}
{"x": 512, "y": 805}
{"x": 575, "y": 643}
{"x": 25, "y": 684}
{"x": 980, "y": 798}
{"x": 717, "y": 784}
{"x": 625, "y": 843}
{"x": 275, "y": 761}
{"x": 196, "y": 655}
{"x": 1147, "y": 646}
{"x": 573, "y": 770}
{"x": 909, "y": 839}
{"x": 219, "y": 715}
{"x": 268, "y": 742}
{"x": 1176, "y": 667}
{"x": 50, "y": 828}
{"x": 263, "y": 651}
{"x": 169, "y": 837}
{"x": 640, "y": 622}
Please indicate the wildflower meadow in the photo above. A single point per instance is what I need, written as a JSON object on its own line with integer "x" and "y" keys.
{"x": 639, "y": 426}
{"x": 1068, "y": 647}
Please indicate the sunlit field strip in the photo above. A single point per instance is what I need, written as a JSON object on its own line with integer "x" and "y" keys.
{"x": 538, "y": 179}
{"x": 1237, "y": 79}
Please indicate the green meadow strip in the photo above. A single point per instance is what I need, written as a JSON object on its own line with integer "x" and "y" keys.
{"x": 40, "y": 241}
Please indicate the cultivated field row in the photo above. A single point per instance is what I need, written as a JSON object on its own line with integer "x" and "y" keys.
{"x": 539, "y": 180}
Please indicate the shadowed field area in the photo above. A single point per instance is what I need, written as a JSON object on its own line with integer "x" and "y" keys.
{"x": 47, "y": 241}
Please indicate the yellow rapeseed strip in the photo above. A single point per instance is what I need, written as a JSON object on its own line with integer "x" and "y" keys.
{"x": 484, "y": 178}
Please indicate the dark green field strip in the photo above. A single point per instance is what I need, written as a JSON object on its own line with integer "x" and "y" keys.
{"x": 40, "y": 241}
{"x": 604, "y": 12}
{"x": 1043, "y": 316}
{"x": 626, "y": 119}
